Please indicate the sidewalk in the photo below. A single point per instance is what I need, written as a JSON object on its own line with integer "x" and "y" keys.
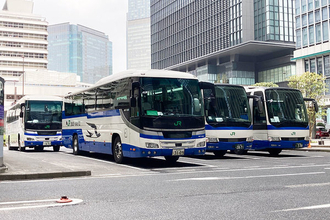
{"x": 24, "y": 165}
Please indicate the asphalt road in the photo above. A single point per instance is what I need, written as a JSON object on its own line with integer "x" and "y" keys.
{"x": 294, "y": 185}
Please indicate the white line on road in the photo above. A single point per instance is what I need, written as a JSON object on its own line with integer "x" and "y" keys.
{"x": 248, "y": 177}
{"x": 30, "y": 204}
{"x": 308, "y": 185}
{"x": 305, "y": 208}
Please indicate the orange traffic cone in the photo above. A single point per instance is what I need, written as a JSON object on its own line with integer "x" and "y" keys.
{"x": 309, "y": 145}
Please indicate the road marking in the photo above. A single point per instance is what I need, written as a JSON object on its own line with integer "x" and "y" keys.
{"x": 247, "y": 177}
{"x": 308, "y": 185}
{"x": 305, "y": 208}
{"x": 32, "y": 204}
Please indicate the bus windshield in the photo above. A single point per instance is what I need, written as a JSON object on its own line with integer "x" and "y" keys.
{"x": 164, "y": 98}
{"x": 43, "y": 115}
{"x": 286, "y": 108}
{"x": 230, "y": 108}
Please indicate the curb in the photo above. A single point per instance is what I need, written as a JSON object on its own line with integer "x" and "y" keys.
{"x": 32, "y": 176}
{"x": 3, "y": 169}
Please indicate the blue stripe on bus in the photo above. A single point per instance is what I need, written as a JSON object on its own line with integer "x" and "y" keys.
{"x": 271, "y": 127}
{"x": 209, "y": 127}
{"x": 162, "y": 137}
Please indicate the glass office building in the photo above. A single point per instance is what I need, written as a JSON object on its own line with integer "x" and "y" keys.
{"x": 81, "y": 50}
{"x": 232, "y": 41}
{"x": 138, "y": 35}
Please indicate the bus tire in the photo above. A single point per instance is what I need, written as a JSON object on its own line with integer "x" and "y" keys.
{"x": 219, "y": 153}
{"x": 240, "y": 152}
{"x": 39, "y": 148}
{"x": 171, "y": 159}
{"x": 75, "y": 145}
{"x": 20, "y": 148}
{"x": 9, "y": 146}
{"x": 117, "y": 151}
{"x": 56, "y": 148}
{"x": 274, "y": 152}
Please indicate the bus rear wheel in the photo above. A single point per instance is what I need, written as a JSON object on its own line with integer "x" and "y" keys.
{"x": 274, "y": 152}
{"x": 219, "y": 153}
{"x": 56, "y": 148}
{"x": 75, "y": 145}
{"x": 118, "y": 151}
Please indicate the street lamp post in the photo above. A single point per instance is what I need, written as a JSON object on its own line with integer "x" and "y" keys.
{"x": 23, "y": 78}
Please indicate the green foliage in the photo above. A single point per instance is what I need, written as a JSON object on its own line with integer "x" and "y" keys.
{"x": 311, "y": 85}
{"x": 266, "y": 84}
{"x": 320, "y": 124}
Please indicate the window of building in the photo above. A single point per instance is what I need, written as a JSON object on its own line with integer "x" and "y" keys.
{"x": 303, "y": 6}
{"x": 318, "y": 33}
{"x": 324, "y": 2}
{"x": 310, "y": 5}
{"x": 304, "y": 37}
{"x": 319, "y": 66}
{"x": 310, "y": 18}
{"x": 325, "y": 31}
{"x": 327, "y": 66}
{"x": 297, "y": 7}
{"x": 304, "y": 20}
{"x": 298, "y": 43}
{"x": 306, "y": 65}
{"x": 311, "y": 35}
{"x": 317, "y": 3}
{"x": 317, "y": 16}
{"x": 312, "y": 66}
{"x": 325, "y": 13}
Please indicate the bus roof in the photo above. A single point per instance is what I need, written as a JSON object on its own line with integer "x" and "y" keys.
{"x": 36, "y": 98}
{"x": 139, "y": 73}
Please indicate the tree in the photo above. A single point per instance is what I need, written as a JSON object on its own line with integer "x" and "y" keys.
{"x": 311, "y": 85}
{"x": 266, "y": 84}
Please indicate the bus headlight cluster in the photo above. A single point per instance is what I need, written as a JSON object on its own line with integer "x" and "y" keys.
{"x": 212, "y": 140}
{"x": 274, "y": 138}
{"x": 201, "y": 144}
{"x": 152, "y": 145}
{"x": 30, "y": 139}
{"x": 249, "y": 139}
{"x": 307, "y": 138}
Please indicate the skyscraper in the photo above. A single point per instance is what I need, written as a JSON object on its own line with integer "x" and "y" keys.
{"x": 235, "y": 41}
{"x": 138, "y": 35}
{"x": 23, "y": 39}
{"x": 81, "y": 50}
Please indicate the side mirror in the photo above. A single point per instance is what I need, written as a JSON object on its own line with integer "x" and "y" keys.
{"x": 260, "y": 105}
{"x": 133, "y": 102}
{"x": 316, "y": 106}
{"x": 21, "y": 114}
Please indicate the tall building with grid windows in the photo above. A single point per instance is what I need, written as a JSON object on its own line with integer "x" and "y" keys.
{"x": 235, "y": 41}
{"x": 23, "y": 39}
{"x": 312, "y": 31}
{"x": 138, "y": 35}
{"x": 81, "y": 50}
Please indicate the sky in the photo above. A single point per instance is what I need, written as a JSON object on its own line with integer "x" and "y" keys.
{"x": 107, "y": 16}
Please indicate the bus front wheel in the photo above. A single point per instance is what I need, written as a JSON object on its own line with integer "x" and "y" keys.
{"x": 75, "y": 145}
{"x": 118, "y": 150}
{"x": 171, "y": 159}
{"x": 219, "y": 153}
{"x": 274, "y": 152}
{"x": 56, "y": 148}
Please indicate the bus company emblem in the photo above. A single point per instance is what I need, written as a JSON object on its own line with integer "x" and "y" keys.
{"x": 178, "y": 123}
{"x": 47, "y": 127}
{"x": 67, "y": 123}
{"x": 293, "y": 133}
{"x": 232, "y": 134}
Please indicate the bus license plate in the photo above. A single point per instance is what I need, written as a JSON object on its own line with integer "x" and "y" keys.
{"x": 47, "y": 143}
{"x": 178, "y": 152}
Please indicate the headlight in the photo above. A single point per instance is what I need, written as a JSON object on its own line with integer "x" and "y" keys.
{"x": 151, "y": 145}
{"x": 212, "y": 140}
{"x": 29, "y": 139}
{"x": 307, "y": 138}
{"x": 201, "y": 144}
{"x": 274, "y": 138}
{"x": 249, "y": 139}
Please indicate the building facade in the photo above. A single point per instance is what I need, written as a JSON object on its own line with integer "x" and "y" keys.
{"x": 23, "y": 39}
{"x": 81, "y": 50}
{"x": 235, "y": 41}
{"x": 312, "y": 44}
{"x": 138, "y": 35}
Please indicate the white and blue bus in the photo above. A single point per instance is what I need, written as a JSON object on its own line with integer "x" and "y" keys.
{"x": 35, "y": 122}
{"x": 137, "y": 114}
{"x": 228, "y": 123}
{"x": 281, "y": 122}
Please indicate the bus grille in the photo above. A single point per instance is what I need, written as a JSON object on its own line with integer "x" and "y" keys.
{"x": 47, "y": 132}
{"x": 232, "y": 139}
{"x": 177, "y": 144}
{"x": 293, "y": 139}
